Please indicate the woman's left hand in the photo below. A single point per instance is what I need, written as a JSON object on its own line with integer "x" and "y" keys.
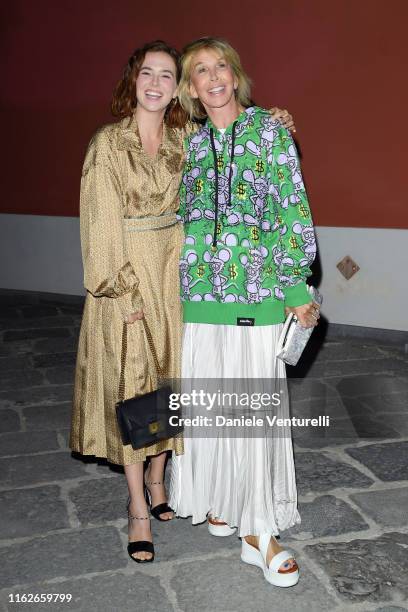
{"x": 284, "y": 117}
{"x": 134, "y": 316}
{"x": 308, "y": 315}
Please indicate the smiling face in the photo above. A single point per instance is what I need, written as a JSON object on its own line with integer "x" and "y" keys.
{"x": 212, "y": 79}
{"x": 156, "y": 83}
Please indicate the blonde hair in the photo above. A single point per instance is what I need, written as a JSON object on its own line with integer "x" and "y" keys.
{"x": 193, "y": 106}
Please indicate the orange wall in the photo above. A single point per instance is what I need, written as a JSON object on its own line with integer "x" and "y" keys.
{"x": 338, "y": 65}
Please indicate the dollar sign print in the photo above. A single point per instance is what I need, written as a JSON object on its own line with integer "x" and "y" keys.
{"x": 200, "y": 270}
{"x": 232, "y": 270}
{"x": 255, "y": 234}
{"x": 241, "y": 191}
{"x": 260, "y": 167}
{"x": 304, "y": 211}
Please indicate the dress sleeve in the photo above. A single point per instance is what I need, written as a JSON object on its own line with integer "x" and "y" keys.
{"x": 191, "y": 128}
{"x": 296, "y": 246}
{"x": 107, "y": 269}
{"x": 181, "y": 213}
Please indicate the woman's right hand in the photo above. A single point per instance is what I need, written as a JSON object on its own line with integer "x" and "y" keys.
{"x": 135, "y": 316}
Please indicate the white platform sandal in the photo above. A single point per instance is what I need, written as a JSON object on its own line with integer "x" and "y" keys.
{"x": 253, "y": 556}
{"x": 219, "y": 528}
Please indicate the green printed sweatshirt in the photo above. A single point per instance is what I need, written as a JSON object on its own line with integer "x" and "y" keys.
{"x": 249, "y": 238}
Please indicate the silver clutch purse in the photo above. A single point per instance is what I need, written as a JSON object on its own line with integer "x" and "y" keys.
{"x": 294, "y": 337}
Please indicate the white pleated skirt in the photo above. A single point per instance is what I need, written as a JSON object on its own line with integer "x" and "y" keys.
{"x": 248, "y": 482}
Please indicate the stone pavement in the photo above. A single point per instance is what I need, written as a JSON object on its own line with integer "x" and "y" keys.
{"x": 63, "y": 523}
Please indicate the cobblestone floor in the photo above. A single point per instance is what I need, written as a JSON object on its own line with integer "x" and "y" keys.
{"x": 63, "y": 524}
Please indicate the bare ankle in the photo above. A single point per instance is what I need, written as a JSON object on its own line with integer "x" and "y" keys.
{"x": 252, "y": 540}
{"x": 138, "y": 503}
{"x": 154, "y": 477}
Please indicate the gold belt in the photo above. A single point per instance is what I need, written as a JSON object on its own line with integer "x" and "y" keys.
{"x": 142, "y": 224}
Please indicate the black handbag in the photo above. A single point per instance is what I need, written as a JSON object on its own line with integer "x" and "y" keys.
{"x": 144, "y": 420}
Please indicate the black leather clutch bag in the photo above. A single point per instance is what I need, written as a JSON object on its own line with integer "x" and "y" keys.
{"x": 144, "y": 420}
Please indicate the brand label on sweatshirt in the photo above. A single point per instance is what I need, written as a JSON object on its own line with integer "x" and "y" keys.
{"x": 247, "y": 321}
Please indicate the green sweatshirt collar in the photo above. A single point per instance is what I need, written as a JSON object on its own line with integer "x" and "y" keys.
{"x": 241, "y": 117}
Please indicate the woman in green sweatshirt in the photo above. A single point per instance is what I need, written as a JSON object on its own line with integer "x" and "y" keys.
{"x": 249, "y": 244}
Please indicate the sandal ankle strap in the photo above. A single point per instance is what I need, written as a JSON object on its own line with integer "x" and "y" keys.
{"x": 263, "y": 544}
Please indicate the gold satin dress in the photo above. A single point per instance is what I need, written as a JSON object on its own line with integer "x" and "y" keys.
{"x": 131, "y": 246}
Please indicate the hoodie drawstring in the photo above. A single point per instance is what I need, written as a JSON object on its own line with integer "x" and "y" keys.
{"x": 214, "y": 241}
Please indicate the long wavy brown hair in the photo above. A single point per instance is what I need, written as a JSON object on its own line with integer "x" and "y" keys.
{"x": 124, "y": 99}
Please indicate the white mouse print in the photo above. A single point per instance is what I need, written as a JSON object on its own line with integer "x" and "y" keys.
{"x": 262, "y": 189}
{"x": 186, "y": 280}
{"x": 233, "y": 217}
{"x": 253, "y": 270}
{"x": 191, "y": 214}
{"x": 218, "y": 280}
{"x": 309, "y": 241}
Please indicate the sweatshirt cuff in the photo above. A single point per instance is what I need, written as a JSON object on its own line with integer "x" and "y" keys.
{"x": 130, "y": 302}
{"x": 297, "y": 295}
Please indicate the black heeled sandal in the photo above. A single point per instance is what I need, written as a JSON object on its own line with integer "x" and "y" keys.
{"x": 139, "y": 545}
{"x": 160, "y": 508}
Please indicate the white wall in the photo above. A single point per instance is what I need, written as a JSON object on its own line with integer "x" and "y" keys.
{"x": 40, "y": 253}
{"x": 377, "y": 295}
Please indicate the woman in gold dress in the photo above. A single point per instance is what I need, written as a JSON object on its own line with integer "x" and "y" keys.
{"x": 131, "y": 244}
